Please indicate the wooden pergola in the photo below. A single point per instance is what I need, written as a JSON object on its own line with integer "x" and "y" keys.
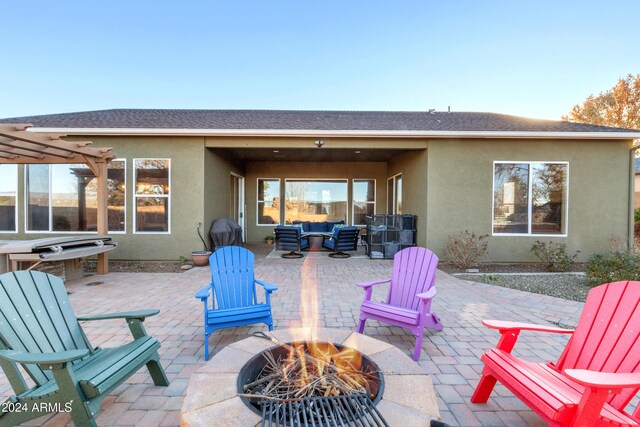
{"x": 18, "y": 146}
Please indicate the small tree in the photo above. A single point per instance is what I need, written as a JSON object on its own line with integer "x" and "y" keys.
{"x": 618, "y": 106}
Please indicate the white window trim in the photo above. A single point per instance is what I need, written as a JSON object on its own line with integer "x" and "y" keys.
{"x": 50, "y": 231}
{"x": 530, "y": 205}
{"x": 125, "y": 196}
{"x": 394, "y": 205}
{"x": 15, "y": 208}
{"x": 136, "y": 196}
{"x": 258, "y": 201}
{"x": 353, "y": 199}
{"x": 345, "y": 180}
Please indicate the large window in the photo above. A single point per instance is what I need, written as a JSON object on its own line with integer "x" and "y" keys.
{"x": 315, "y": 200}
{"x": 152, "y": 180}
{"x": 64, "y": 198}
{"x": 364, "y": 200}
{"x": 268, "y": 201}
{"x": 8, "y": 198}
{"x": 530, "y": 198}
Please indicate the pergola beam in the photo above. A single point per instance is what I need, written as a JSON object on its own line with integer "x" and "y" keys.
{"x": 80, "y": 147}
{"x": 25, "y": 146}
{"x": 15, "y": 152}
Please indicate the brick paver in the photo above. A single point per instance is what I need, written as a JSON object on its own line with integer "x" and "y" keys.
{"x": 450, "y": 356}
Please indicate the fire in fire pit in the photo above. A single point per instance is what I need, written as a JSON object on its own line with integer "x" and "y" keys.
{"x": 316, "y": 381}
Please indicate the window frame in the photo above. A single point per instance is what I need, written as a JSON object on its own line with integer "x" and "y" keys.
{"x": 258, "y": 201}
{"x": 394, "y": 199}
{"x": 15, "y": 208}
{"x": 345, "y": 180}
{"x": 529, "y": 198}
{"x": 136, "y": 196}
{"x": 125, "y": 198}
{"x": 353, "y": 199}
{"x": 51, "y": 231}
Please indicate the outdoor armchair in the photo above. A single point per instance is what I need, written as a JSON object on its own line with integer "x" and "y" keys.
{"x": 40, "y": 332}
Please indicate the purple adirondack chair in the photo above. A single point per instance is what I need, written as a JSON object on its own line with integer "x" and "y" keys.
{"x": 412, "y": 289}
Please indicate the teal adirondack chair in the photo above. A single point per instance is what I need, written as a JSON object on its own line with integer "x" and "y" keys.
{"x": 39, "y": 331}
{"x": 230, "y": 299}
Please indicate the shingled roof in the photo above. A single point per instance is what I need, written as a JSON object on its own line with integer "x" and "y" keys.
{"x": 303, "y": 120}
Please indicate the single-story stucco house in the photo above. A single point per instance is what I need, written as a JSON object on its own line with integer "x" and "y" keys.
{"x": 516, "y": 179}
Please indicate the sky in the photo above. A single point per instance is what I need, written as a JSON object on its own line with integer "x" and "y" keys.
{"x": 530, "y": 58}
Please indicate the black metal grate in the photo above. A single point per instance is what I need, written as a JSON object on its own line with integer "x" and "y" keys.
{"x": 356, "y": 410}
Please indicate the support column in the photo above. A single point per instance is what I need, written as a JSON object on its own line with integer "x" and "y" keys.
{"x": 102, "y": 213}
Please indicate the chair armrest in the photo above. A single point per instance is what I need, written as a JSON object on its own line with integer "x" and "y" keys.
{"x": 140, "y": 314}
{"x": 504, "y": 326}
{"x": 203, "y": 293}
{"x": 43, "y": 358}
{"x": 428, "y": 295}
{"x": 268, "y": 287}
{"x": 603, "y": 379}
{"x": 370, "y": 284}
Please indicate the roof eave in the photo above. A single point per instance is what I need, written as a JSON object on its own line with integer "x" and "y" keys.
{"x": 315, "y": 133}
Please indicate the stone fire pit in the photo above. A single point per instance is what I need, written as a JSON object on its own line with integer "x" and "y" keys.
{"x": 409, "y": 397}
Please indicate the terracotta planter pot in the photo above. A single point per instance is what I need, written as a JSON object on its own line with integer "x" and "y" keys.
{"x": 200, "y": 258}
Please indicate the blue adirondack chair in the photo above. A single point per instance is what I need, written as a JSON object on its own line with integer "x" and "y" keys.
{"x": 231, "y": 299}
{"x": 40, "y": 332}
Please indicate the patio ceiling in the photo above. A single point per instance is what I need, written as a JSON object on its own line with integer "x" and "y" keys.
{"x": 19, "y": 146}
{"x": 312, "y": 154}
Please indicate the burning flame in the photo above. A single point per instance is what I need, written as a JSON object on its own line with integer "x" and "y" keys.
{"x": 347, "y": 362}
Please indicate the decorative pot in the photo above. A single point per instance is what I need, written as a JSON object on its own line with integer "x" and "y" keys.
{"x": 200, "y": 258}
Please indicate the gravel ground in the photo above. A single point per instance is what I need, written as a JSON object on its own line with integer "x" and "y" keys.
{"x": 137, "y": 266}
{"x": 531, "y": 267}
{"x": 568, "y": 286}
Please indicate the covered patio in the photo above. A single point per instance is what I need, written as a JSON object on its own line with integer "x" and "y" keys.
{"x": 451, "y": 357}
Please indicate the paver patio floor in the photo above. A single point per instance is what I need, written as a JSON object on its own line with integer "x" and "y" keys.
{"x": 450, "y": 356}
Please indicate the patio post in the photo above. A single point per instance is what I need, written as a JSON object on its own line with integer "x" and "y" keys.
{"x": 102, "y": 212}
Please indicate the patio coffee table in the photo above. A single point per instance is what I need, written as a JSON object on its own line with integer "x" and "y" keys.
{"x": 315, "y": 239}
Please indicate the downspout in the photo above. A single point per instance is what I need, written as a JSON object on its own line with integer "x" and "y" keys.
{"x": 632, "y": 178}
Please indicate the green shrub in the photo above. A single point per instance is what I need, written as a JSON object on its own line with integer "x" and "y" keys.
{"x": 636, "y": 215}
{"x": 554, "y": 255}
{"x": 466, "y": 250}
{"x": 613, "y": 267}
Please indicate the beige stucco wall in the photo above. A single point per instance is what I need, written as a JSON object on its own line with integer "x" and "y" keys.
{"x": 414, "y": 169}
{"x": 283, "y": 170}
{"x": 460, "y": 176}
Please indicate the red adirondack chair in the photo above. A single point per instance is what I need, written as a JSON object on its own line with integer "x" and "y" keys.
{"x": 597, "y": 374}
{"x": 408, "y": 303}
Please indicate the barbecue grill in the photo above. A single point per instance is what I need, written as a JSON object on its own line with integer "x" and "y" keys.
{"x": 12, "y": 252}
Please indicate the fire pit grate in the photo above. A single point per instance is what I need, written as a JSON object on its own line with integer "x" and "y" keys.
{"x": 355, "y": 410}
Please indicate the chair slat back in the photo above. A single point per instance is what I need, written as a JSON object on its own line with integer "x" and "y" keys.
{"x": 414, "y": 272}
{"x": 607, "y": 338}
{"x": 287, "y": 239}
{"x": 232, "y": 277}
{"x": 36, "y": 317}
{"x": 347, "y": 239}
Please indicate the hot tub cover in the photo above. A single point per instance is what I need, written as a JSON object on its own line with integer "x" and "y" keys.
{"x": 225, "y": 232}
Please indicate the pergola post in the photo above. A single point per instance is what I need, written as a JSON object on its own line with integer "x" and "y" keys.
{"x": 102, "y": 212}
